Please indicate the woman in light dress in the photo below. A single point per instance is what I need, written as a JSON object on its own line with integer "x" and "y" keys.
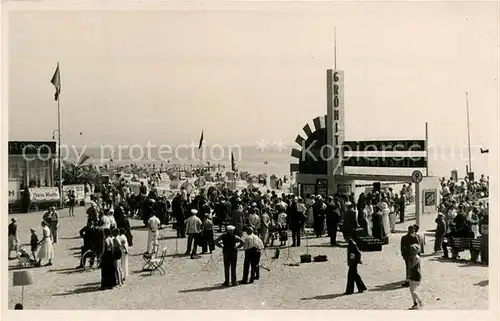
{"x": 368, "y": 212}
{"x": 124, "y": 247}
{"x": 46, "y": 251}
{"x": 384, "y": 207}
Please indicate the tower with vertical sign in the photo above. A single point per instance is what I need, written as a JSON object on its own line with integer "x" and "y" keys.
{"x": 335, "y": 124}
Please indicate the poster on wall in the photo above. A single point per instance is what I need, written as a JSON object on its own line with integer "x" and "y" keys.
{"x": 44, "y": 194}
{"x": 79, "y": 192}
{"x": 308, "y": 189}
{"x": 344, "y": 189}
{"x": 430, "y": 197}
{"x": 14, "y": 191}
{"x": 430, "y": 200}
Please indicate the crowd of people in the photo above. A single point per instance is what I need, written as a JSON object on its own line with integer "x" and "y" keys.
{"x": 253, "y": 219}
{"x": 463, "y": 214}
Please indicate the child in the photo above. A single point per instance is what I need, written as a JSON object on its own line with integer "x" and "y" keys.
{"x": 34, "y": 243}
{"x": 415, "y": 276}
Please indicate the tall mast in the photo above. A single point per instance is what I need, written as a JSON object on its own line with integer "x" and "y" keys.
{"x": 468, "y": 129}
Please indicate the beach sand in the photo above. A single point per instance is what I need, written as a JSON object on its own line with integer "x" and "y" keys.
{"x": 446, "y": 285}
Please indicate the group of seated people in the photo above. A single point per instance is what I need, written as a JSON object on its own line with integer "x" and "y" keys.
{"x": 462, "y": 218}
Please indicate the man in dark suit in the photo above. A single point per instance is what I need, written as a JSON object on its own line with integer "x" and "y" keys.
{"x": 353, "y": 259}
{"x": 332, "y": 219}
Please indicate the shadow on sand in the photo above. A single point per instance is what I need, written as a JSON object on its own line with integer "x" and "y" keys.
{"x": 74, "y": 270}
{"x": 388, "y": 287}
{"x": 483, "y": 283}
{"x": 205, "y": 289}
{"x": 324, "y": 297}
{"x": 169, "y": 237}
{"x": 458, "y": 262}
{"x": 80, "y": 290}
{"x": 70, "y": 238}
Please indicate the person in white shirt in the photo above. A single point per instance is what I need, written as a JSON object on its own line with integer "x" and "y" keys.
{"x": 282, "y": 220}
{"x": 253, "y": 246}
{"x": 153, "y": 226}
{"x": 105, "y": 222}
{"x": 254, "y": 220}
{"x": 111, "y": 217}
{"x": 193, "y": 230}
{"x": 124, "y": 247}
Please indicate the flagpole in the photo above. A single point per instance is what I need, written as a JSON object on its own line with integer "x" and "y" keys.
{"x": 59, "y": 151}
{"x": 468, "y": 129}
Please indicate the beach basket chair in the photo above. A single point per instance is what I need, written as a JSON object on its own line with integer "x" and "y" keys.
{"x": 156, "y": 264}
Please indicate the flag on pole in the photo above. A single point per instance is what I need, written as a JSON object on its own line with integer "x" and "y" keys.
{"x": 201, "y": 140}
{"x": 233, "y": 163}
{"x": 56, "y": 81}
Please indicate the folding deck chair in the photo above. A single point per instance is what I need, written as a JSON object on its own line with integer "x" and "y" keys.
{"x": 156, "y": 264}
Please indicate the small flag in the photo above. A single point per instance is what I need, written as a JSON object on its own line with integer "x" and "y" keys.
{"x": 233, "y": 163}
{"x": 56, "y": 81}
{"x": 201, "y": 140}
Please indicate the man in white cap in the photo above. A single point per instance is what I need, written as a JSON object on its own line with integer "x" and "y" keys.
{"x": 229, "y": 243}
{"x": 153, "y": 226}
{"x": 193, "y": 229}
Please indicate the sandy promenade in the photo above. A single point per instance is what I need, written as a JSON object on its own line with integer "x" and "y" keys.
{"x": 447, "y": 285}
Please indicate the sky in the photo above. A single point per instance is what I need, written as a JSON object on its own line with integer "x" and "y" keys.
{"x": 242, "y": 73}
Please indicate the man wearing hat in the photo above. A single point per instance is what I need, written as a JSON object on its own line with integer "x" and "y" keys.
{"x": 229, "y": 243}
{"x": 319, "y": 214}
{"x": 350, "y": 221}
{"x": 193, "y": 230}
{"x": 153, "y": 225}
{"x": 13, "y": 240}
{"x": 332, "y": 219}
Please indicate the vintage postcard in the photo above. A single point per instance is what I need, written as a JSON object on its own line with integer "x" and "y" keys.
{"x": 250, "y": 156}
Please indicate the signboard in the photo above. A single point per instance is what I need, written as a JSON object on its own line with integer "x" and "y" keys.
{"x": 430, "y": 197}
{"x": 44, "y": 194}
{"x": 395, "y": 162}
{"x": 384, "y": 146}
{"x": 344, "y": 189}
{"x": 79, "y": 192}
{"x": 14, "y": 191}
{"x": 335, "y": 115}
{"x": 308, "y": 189}
{"x": 416, "y": 177}
{"x": 32, "y": 147}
